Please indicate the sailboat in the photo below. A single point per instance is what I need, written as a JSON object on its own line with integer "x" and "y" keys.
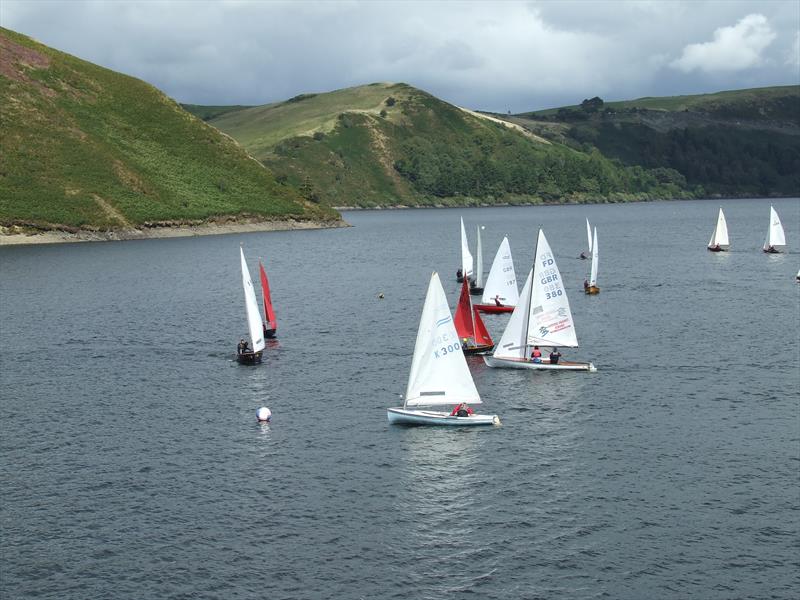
{"x": 500, "y": 292}
{"x": 466, "y": 256}
{"x": 591, "y": 285}
{"x": 776, "y": 239}
{"x": 270, "y": 323}
{"x": 439, "y": 373}
{"x": 542, "y": 318}
{"x": 477, "y": 286}
{"x": 719, "y": 239}
{"x": 589, "y": 237}
{"x": 475, "y": 339}
{"x": 254, "y": 323}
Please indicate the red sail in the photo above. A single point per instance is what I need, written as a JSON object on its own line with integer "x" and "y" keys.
{"x": 269, "y": 315}
{"x": 482, "y": 336}
{"x": 463, "y": 318}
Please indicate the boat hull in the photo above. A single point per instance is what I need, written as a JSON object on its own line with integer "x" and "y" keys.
{"x": 493, "y": 308}
{"x": 249, "y": 358}
{"x": 524, "y": 363}
{"x": 475, "y": 291}
{"x": 771, "y": 250}
{"x": 269, "y": 333}
{"x": 592, "y": 289}
{"x": 477, "y": 349}
{"x": 717, "y": 249}
{"x": 406, "y": 416}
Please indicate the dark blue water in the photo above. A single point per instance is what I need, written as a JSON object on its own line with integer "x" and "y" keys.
{"x": 133, "y": 467}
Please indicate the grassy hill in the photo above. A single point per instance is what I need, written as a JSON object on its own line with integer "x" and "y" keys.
{"x": 390, "y": 144}
{"x": 84, "y": 147}
{"x": 733, "y": 143}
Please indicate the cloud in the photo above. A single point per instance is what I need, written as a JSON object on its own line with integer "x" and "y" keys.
{"x": 734, "y": 48}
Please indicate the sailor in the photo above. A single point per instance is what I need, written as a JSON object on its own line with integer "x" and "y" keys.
{"x": 554, "y": 356}
{"x": 497, "y": 300}
{"x": 536, "y": 355}
{"x": 242, "y": 347}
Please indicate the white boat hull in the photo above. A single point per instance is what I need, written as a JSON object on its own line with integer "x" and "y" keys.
{"x": 407, "y": 416}
{"x": 523, "y": 363}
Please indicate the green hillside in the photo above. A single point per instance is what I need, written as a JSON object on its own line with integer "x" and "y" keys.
{"x": 733, "y": 143}
{"x": 85, "y": 147}
{"x": 391, "y": 144}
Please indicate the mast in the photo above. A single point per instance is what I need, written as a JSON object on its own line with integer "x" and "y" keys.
{"x": 530, "y": 292}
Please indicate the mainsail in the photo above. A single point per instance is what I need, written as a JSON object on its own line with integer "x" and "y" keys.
{"x": 479, "y": 260}
{"x": 549, "y": 319}
{"x": 439, "y": 372}
{"x": 720, "y": 235}
{"x": 254, "y": 323}
{"x": 501, "y": 280}
{"x": 595, "y": 254}
{"x": 776, "y": 238}
{"x": 269, "y": 312}
{"x": 589, "y": 235}
{"x": 466, "y": 255}
{"x": 468, "y": 322}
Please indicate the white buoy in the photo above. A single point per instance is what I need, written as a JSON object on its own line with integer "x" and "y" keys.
{"x": 264, "y": 415}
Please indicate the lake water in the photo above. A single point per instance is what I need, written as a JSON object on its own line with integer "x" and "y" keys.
{"x": 133, "y": 467}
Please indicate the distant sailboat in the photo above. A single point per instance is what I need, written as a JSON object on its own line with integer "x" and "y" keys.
{"x": 439, "y": 373}
{"x": 589, "y": 238}
{"x": 244, "y": 354}
{"x": 542, "y": 318}
{"x": 719, "y": 239}
{"x": 776, "y": 239}
{"x": 270, "y": 323}
{"x": 466, "y": 256}
{"x": 477, "y": 286}
{"x": 592, "y": 288}
{"x": 500, "y": 292}
{"x": 475, "y": 339}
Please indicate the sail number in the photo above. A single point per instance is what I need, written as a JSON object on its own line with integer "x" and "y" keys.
{"x": 553, "y": 294}
{"x": 445, "y": 350}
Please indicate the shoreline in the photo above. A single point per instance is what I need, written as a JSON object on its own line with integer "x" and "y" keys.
{"x": 9, "y": 237}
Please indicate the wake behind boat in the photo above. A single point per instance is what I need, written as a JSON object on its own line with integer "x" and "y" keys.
{"x": 439, "y": 373}
{"x": 542, "y": 318}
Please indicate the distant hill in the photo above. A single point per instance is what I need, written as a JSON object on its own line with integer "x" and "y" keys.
{"x": 388, "y": 144}
{"x": 732, "y": 143}
{"x": 84, "y": 147}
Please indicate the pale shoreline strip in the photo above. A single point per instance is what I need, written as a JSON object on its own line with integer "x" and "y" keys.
{"x": 65, "y": 237}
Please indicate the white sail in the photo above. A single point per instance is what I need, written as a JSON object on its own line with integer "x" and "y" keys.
{"x": 513, "y": 343}
{"x": 775, "y": 236}
{"x": 549, "y": 319}
{"x": 479, "y": 260}
{"x": 501, "y": 280}
{"x": 466, "y": 256}
{"x": 595, "y": 254}
{"x": 254, "y": 322}
{"x": 589, "y": 235}
{"x": 720, "y": 235}
{"x": 439, "y": 372}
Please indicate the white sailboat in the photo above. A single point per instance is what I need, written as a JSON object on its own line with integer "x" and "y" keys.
{"x": 719, "y": 239}
{"x": 591, "y": 287}
{"x": 466, "y": 256}
{"x": 254, "y": 323}
{"x": 542, "y": 318}
{"x": 776, "y": 238}
{"x": 589, "y": 238}
{"x": 477, "y": 288}
{"x": 439, "y": 373}
{"x": 501, "y": 284}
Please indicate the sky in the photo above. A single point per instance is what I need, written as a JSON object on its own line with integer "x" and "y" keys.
{"x": 496, "y": 56}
